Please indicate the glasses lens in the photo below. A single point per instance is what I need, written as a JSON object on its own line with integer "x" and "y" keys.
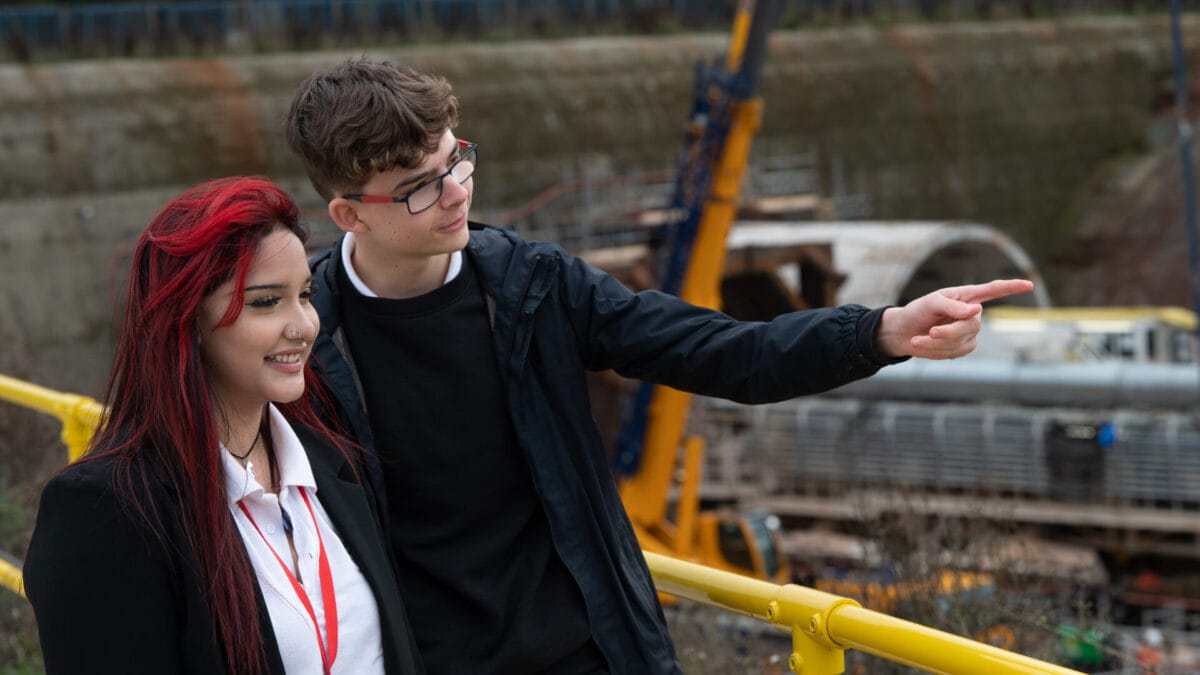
{"x": 465, "y": 166}
{"x": 426, "y": 197}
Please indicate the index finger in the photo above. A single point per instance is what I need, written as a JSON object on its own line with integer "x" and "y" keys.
{"x": 991, "y": 290}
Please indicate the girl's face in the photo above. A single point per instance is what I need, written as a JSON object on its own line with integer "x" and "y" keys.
{"x": 260, "y": 357}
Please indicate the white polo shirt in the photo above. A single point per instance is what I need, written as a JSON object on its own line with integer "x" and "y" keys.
{"x": 359, "y": 646}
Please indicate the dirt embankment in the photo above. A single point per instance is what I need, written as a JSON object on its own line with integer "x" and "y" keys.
{"x": 1131, "y": 241}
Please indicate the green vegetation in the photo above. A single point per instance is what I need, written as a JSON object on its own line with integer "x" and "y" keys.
{"x": 29, "y": 448}
{"x": 19, "y": 652}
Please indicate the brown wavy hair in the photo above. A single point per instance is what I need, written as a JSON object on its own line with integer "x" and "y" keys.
{"x": 362, "y": 118}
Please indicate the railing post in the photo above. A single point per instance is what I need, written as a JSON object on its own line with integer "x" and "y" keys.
{"x": 80, "y": 415}
{"x": 79, "y": 423}
{"x": 807, "y": 614}
{"x": 810, "y": 657}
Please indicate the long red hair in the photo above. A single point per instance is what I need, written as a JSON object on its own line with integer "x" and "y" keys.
{"x": 160, "y": 421}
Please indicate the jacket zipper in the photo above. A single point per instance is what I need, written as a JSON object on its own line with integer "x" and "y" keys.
{"x": 529, "y": 304}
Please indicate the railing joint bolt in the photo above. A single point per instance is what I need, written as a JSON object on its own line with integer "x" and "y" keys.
{"x": 772, "y": 610}
{"x": 815, "y": 624}
{"x": 796, "y": 662}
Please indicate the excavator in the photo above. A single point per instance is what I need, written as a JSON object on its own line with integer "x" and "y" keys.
{"x": 688, "y": 254}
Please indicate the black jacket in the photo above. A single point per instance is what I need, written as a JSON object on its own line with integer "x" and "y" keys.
{"x": 111, "y": 598}
{"x": 553, "y": 317}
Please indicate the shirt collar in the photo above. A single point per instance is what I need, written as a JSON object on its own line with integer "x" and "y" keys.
{"x": 290, "y": 459}
{"x": 348, "y": 243}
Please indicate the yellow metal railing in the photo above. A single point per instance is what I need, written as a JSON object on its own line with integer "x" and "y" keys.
{"x": 10, "y": 574}
{"x": 823, "y": 625}
{"x": 79, "y": 416}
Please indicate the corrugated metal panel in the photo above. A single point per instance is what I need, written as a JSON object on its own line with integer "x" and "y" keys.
{"x": 811, "y": 444}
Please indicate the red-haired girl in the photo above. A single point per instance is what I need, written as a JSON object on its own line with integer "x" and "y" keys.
{"x": 217, "y": 525}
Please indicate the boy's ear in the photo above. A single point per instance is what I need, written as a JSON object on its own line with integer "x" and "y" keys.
{"x": 344, "y": 213}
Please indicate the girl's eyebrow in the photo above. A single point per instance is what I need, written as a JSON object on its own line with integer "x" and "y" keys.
{"x": 265, "y": 287}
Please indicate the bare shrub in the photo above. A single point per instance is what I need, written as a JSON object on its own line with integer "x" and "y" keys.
{"x": 29, "y": 447}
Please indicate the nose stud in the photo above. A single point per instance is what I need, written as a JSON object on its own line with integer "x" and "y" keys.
{"x": 294, "y": 334}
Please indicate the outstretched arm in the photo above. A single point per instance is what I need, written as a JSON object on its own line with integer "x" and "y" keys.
{"x": 942, "y": 324}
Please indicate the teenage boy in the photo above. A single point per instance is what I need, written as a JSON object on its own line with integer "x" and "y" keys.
{"x": 457, "y": 352}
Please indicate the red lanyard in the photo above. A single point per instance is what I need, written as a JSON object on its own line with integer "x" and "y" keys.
{"x": 328, "y": 599}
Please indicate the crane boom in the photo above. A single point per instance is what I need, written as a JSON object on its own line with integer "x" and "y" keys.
{"x": 724, "y": 119}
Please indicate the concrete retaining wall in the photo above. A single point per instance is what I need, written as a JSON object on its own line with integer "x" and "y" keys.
{"x": 998, "y": 123}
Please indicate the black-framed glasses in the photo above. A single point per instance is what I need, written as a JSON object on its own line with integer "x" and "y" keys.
{"x": 428, "y": 193}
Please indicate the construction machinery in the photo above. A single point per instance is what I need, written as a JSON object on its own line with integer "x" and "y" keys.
{"x": 689, "y": 260}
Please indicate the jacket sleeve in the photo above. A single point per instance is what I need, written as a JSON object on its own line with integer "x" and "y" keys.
{"x": 659, "y": 338}
{"x": 100, "y": 584}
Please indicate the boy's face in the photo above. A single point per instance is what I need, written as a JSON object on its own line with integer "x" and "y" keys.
{"x": 439, "y": 229}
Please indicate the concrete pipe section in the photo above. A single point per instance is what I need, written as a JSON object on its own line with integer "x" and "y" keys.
{"x": 890, "y": 263}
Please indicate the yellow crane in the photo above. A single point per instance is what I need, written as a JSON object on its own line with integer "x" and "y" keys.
{"x": 724, "y": 120}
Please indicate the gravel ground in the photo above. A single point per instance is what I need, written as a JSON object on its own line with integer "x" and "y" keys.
{"x": 710, "y": 640}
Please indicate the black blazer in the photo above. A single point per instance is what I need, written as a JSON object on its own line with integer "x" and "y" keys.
{"x": 111, "y": 598}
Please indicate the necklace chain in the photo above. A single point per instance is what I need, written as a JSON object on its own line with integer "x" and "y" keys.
{"x": 244, "y": 458}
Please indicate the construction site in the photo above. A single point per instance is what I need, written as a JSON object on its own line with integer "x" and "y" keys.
{"x": 1040, "y": 496}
